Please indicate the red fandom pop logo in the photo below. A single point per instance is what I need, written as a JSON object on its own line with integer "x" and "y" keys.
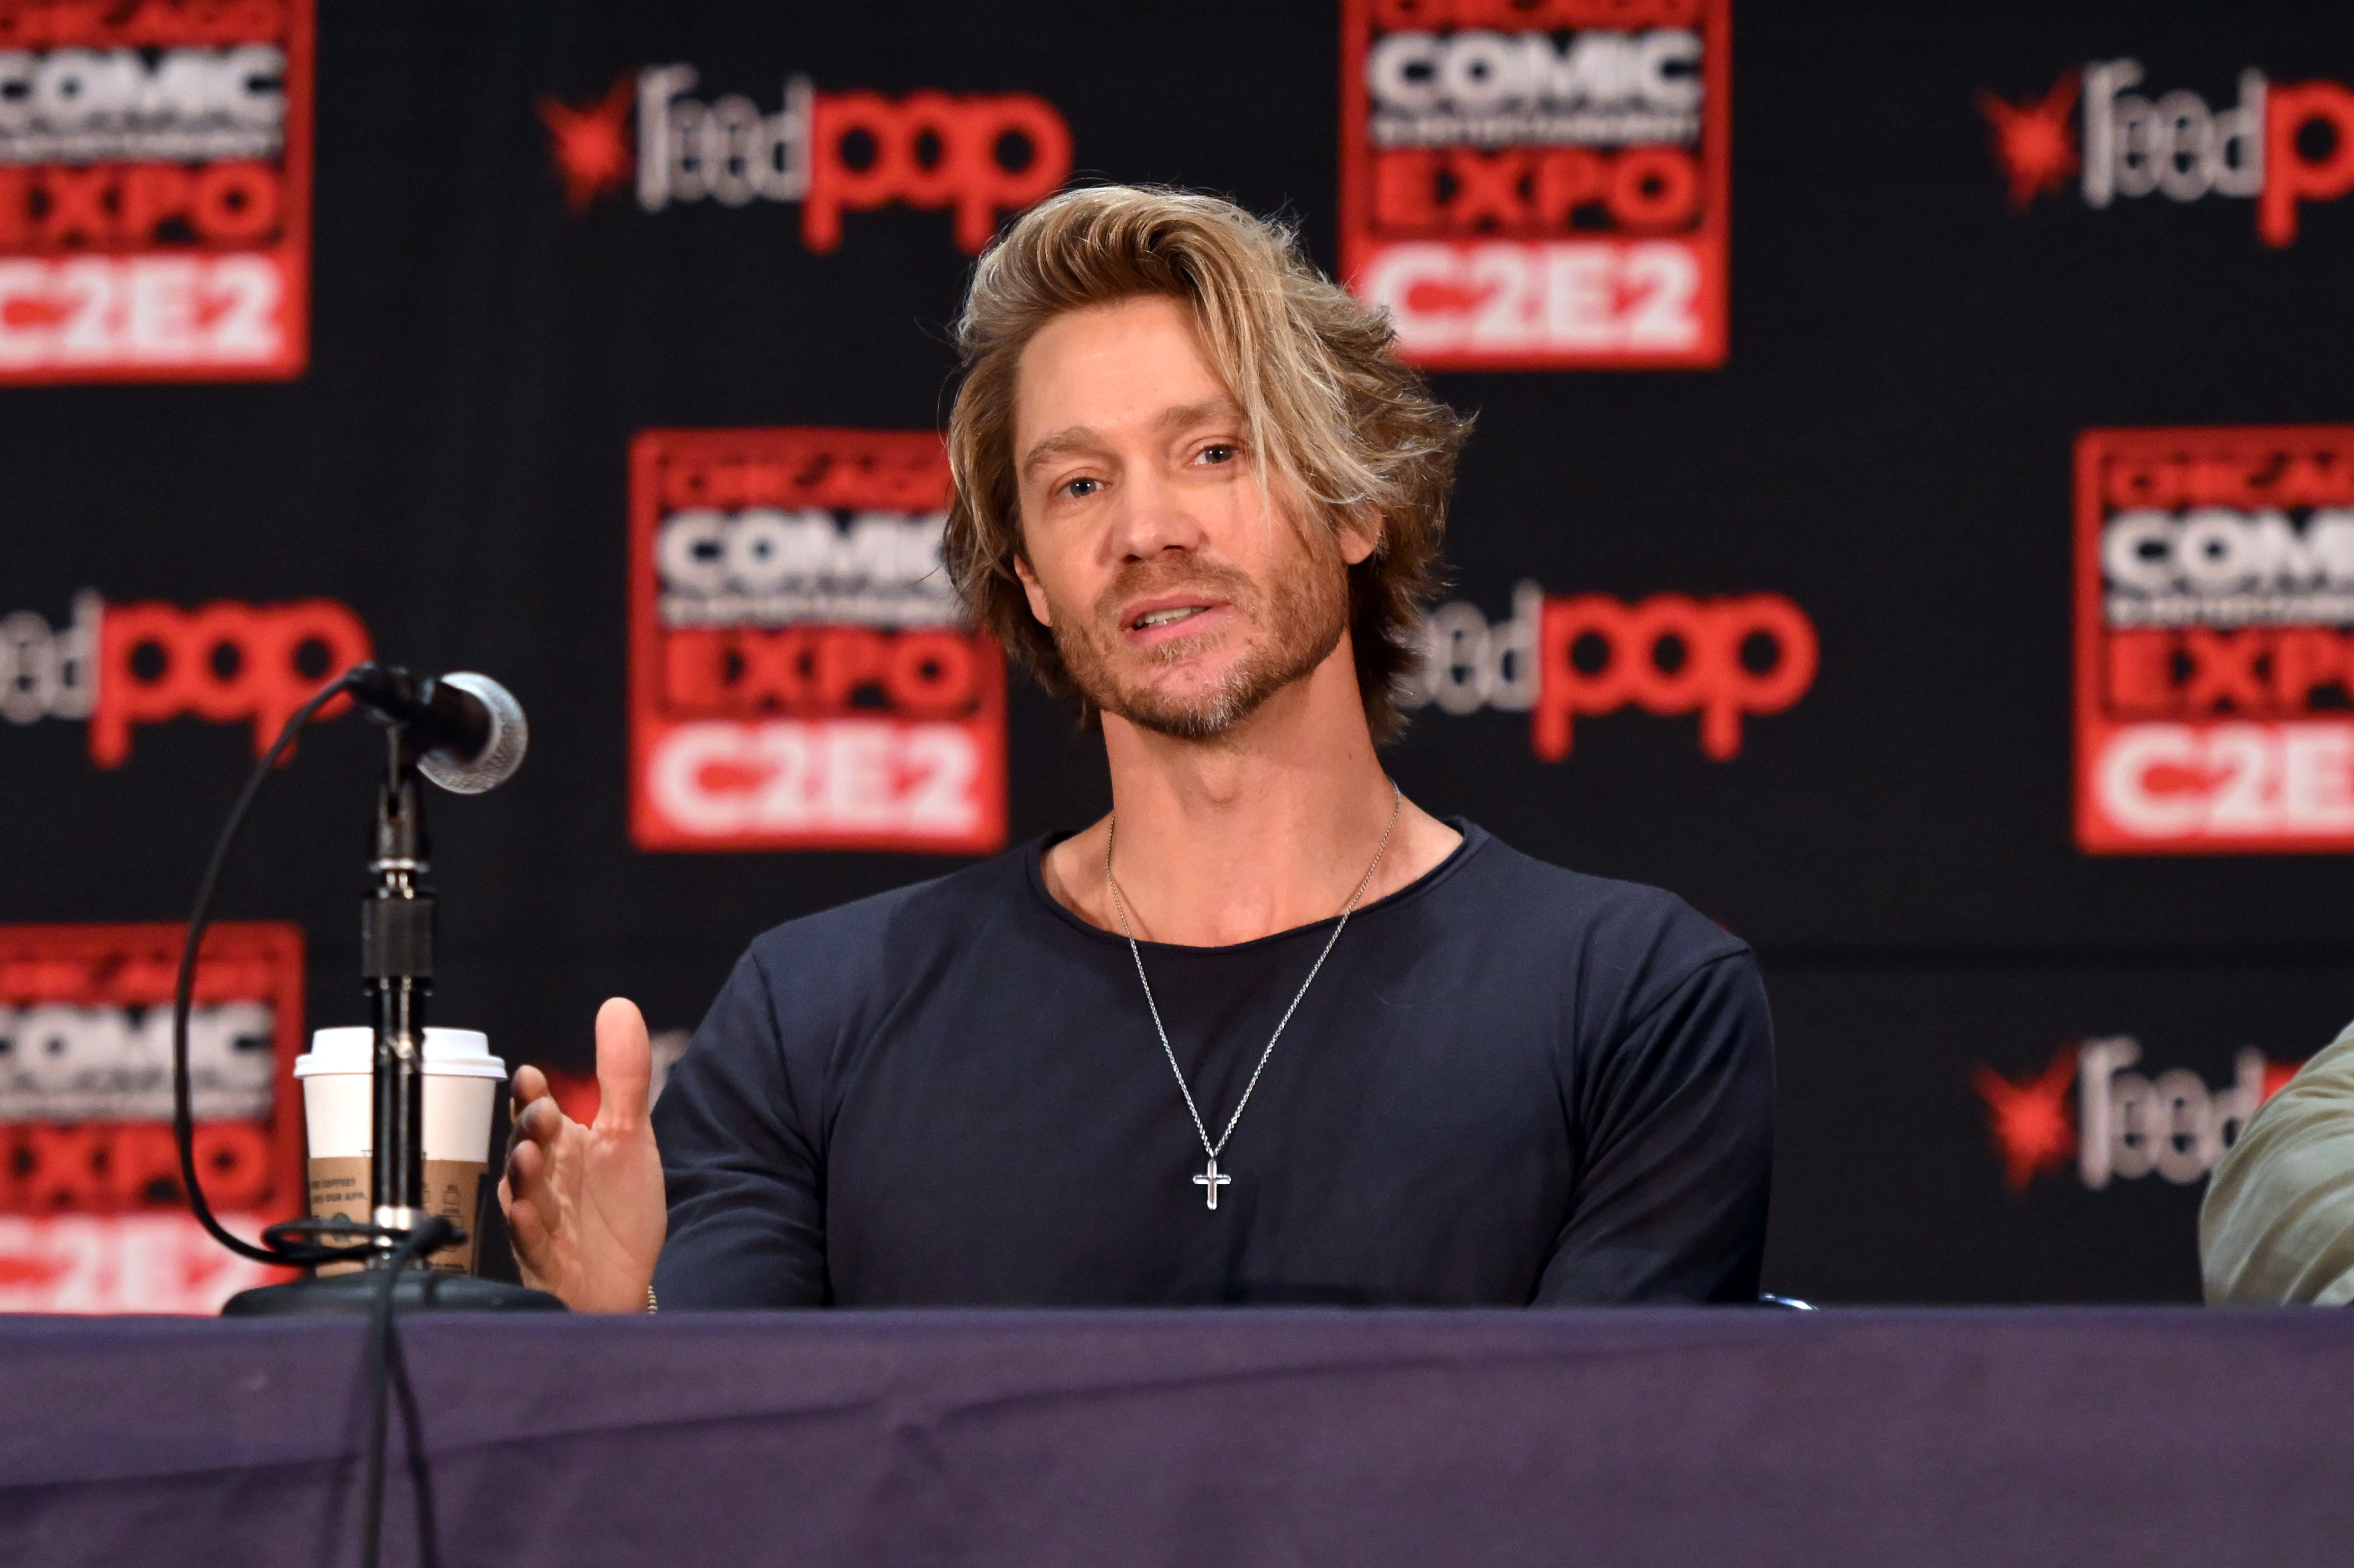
{"x": 977, "y": 156}
{"x": 224, "y": 662}
{"x": 122, "y": 666}
{"x": 1671, "y": 653}
{"x": 2088, "y": 1107}
{"x": 1564, "y": 657}
{"x": 2030, "y": 1122}
{"x": 2031, "y": 141}
{"x": 2128, "y": 145}
{"x": 591, "y": 145}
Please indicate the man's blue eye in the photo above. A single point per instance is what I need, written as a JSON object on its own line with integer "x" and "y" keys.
{"x": 1081, "y": 487}
{"x": 1218, "y": 454}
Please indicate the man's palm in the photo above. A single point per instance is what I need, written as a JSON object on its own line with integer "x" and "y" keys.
{"x": 585, "y": 1204}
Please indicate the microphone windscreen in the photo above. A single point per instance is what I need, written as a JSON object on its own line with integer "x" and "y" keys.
{"x": 503, "y": 749}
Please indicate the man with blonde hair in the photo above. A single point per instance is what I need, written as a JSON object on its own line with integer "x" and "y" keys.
{"x": 1269, "y": 1032}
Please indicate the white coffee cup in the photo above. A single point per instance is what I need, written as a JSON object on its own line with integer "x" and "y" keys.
{"x": 462, "y": 1093}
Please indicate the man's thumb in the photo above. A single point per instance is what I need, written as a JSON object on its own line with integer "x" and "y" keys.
{"x": 625, "y": 1063}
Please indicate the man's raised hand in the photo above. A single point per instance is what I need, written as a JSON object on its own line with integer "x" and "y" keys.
{"x": 584, "y": 1204}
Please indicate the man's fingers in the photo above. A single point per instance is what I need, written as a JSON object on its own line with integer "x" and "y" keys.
{"x": 625, "y": 1064}
{"x": 541, "y": 1121}
{"x": 527, "y": 1235}
{"x": 526, "y": 1162}
{"x": 530, "y": 1084}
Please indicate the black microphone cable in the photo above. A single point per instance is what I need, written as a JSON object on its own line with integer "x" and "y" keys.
{"x": 290, "y": 1250}
{"x": 431, "y": 1235}
{"x": 288, "y": 1244}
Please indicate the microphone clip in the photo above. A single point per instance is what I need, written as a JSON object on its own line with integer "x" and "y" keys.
{"x": 463, "y": 731}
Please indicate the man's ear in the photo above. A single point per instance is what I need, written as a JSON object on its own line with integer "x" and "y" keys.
{"x": 1360, "y": 537}
{"x": 1036, "y": 590}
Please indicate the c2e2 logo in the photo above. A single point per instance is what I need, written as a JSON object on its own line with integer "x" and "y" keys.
{"x": 154, "y": 190}
{"x": 2215, "y": 640}
{"x": 92, "y": 1214}
{"x": 1539, "y": 184}
{"x": 797, "y": 676}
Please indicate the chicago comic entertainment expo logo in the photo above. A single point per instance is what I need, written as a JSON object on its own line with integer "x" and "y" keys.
{"x": 92, "y": 1216}
{"x": 1539, "y": 184}
{"x": 976, "y": 154}
{"x": 797, "y": 677}
{"x": 2215, "y": 640}
{"x": 2281, "y": 144}
{"x": 155, "y": 189}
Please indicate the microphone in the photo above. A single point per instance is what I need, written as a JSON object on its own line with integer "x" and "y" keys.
{"x": 468, "y": 730}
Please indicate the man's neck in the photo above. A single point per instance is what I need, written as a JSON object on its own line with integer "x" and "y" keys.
{"x": 1268, "y": 827}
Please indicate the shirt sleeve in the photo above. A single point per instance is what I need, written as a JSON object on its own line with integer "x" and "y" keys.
{"x": 746, "y": 1211}
{"x": 2277, "y": 1226}
{"x": 1676, "y": 1163}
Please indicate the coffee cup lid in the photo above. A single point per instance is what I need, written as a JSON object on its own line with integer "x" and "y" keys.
{"x": 448, "y": 1053}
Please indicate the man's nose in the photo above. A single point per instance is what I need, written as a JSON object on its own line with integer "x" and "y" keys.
{"x": 1151, "y": 519}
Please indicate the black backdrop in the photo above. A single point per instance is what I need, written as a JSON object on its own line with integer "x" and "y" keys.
{"x": 1889, "y": 444}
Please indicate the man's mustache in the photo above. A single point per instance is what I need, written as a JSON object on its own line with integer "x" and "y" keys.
{"x": 1210, "y": 578}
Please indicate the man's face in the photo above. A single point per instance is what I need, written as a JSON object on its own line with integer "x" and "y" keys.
{"x": 1180, "y": 598}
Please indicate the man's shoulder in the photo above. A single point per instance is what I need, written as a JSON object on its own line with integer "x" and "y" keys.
{"x": 865, "y": 930}
{"x": 1627, "y": 941}
{"x": 1596, "y": 909}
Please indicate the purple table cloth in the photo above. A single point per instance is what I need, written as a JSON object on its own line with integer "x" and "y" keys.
{"x": 1203, "y": 1439}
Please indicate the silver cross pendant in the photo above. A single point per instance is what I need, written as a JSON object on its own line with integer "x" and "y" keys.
{"x": 1212, "y": 1181}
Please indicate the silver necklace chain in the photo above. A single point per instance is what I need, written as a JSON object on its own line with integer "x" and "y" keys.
{"x": 1397, "y": 800}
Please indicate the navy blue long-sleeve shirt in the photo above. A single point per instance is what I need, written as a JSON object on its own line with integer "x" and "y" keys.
{"x": 1511, "y": 1084}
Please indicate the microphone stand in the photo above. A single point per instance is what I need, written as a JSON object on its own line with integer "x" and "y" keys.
{"x": 397, "y": 971}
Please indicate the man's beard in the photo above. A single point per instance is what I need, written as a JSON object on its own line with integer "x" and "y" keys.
{"x": 1301, "y": 621}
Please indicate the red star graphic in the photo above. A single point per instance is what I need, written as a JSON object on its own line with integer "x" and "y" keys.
{"x": 592, "y": 144}
{"x": 2033, "y": 1127}
{"x": 2032, "y": 140}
